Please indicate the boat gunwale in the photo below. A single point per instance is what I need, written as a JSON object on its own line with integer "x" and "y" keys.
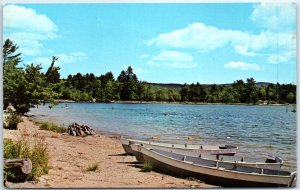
{"x": 162, "y": 144}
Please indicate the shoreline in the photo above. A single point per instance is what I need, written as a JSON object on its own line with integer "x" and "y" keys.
{"x": 69, "y": 157}
{"x": 166, "y": 102}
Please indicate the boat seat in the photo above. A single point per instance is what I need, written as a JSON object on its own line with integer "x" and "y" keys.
{"x": 253, "y": 160}
{"x": 169, "y": 154}
{"x": 200, "y": 161}
{"x": 231, "y": 158}
{"x": 227, "y": 166}
{"x": 209, "y": 156}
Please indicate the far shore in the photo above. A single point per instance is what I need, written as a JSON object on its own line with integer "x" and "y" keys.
{"x": 166, "y": 102}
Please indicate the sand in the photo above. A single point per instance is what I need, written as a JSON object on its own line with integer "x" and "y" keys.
{"x": 70, "y": 156}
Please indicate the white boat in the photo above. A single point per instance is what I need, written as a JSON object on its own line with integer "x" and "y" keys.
{"x": 201, "y": 149}
{"x": 217, "y": 173}
{"x": 265, "y": 163}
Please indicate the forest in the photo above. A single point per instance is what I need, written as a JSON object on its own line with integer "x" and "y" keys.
{"x": 27, "y": 86}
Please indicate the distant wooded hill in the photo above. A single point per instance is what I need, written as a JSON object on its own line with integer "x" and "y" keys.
{"x": 179, "y": 86}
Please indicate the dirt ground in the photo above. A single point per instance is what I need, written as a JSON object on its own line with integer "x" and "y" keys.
{"x": 70, "y": 156}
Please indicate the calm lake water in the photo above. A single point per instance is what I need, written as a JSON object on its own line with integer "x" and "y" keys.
{"x": 257, "y": 130}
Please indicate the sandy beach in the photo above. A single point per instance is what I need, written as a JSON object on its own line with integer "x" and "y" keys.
{"x": 69, "y": 157}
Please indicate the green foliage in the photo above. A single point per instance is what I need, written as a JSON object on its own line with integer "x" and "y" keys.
{"x": 25, "y": 88}
{"x": 9, "y": 52}
{"x": 291, "y": 98}
{"x": 52, "y": 127}
{"x": 9, "y": 148}
{"x": 147, "y": 167}
{"x": 32, "y": 147}
{"x": 11, "y": 120}
{"x": 129, "y": 84}
{"x": 92, "y": 167}
{"x": 52, "y": 75}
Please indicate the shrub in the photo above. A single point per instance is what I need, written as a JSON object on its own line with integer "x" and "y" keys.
{"x": 32, "y": 147}
{"x": 147, "y": 167}
{"x": 11, "y": 120}
{"x": 52, "y": 127}
{"x": 92, "y": 167}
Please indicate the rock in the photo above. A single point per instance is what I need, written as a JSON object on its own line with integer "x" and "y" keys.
{"x": 80, "y": 130}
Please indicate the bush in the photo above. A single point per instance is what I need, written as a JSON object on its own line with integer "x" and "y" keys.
{"x": 147, "y": 167}
{"x": 92, "y": 167}
{"x": 32, "y": 147}
{"x": 11, "y": 120}
{"x": 52, "y": 127}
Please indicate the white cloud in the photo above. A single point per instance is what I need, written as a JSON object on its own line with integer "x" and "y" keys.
{"x": 27, "y": 28}
{"x": 275, "y": 16}
{"x": 202, "y": 38}
{"x": 173, "y": 59}
{"x": 27, "y": 19}
{"x": 194, "y": 36}
{"x": 281, "y": 58}
{"x": 242, "y": 65}
{"x": 244, "y": 50}
{"x": 74, "y": 57}
{"x": 208, "y": 38}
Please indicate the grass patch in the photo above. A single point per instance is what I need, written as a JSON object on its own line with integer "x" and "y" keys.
{"x": 11, "y": 120}
{"x": 147, "y": 167}
{"x": 52, "y": 127}
{"x": 33, "y": 147}
{"x": 92, "y": 167}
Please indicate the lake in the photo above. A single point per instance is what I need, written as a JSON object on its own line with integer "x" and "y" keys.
{"x": 257, "y": 130}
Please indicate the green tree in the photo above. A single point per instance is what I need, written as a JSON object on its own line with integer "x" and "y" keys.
{"x": 291, "y": 98}
{"x": 129, "y": 84}
{"x": 213, "y": 95}
{"x": 184, "y": 93}
{"x": 229, "y": 95}
{"x": 142, "y": 91}
{"x": 9, "y": 53}
{"x": 239, "y": 87}
{"x": 23, "y": 88}
{"x": 15, "y": 86}
{"x": 262, "y": 93}
{"x": 52, "y": 74}
{"x": 251, "y": 91}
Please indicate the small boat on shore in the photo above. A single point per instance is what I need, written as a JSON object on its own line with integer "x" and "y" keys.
{"x": 215, "y": 172}
{"x": 265, "y": 163}
{"x": 185, "y": 148}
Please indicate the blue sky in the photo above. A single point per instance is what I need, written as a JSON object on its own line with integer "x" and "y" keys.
{"x": 168, "y": 43}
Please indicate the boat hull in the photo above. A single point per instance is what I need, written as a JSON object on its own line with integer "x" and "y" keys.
{"x": 210, "y": 175}
{"x": 213, "y": 180}
{"x": 127, "y": 149}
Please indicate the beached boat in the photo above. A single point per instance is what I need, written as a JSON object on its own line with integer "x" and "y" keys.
{"x": 265, "y": 163}
{"x": 201, "y": 149}
{"x": 217, "y": 173}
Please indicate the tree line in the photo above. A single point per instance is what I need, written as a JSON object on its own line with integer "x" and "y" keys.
{"x": 29, "y": 86}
